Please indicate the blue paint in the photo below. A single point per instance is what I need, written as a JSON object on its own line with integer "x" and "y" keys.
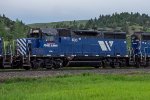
{"x": 79, "y": 46}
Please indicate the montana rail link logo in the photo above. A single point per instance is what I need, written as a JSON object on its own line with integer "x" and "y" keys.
{"x": 106, "y": 45}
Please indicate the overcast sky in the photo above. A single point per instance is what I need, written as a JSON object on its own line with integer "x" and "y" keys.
{"x": 37, "y": 11}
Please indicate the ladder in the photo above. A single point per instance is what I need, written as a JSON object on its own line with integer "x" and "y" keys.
{"x": 8, "y": 56}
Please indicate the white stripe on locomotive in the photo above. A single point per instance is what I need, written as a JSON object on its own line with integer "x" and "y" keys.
{"x": 21, "y": 46}
{"x": 20, "y": 52}
{"x": 107, "y": 46}
{"x": 21, "y": 43}
{"x": 102, "y": 45}
{"x": 111, "y": 43}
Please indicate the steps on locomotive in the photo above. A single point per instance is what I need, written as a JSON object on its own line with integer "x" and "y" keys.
{"x": 141, "y": 61}
{"x": 131, "y": 61}
{"x": 7, "y": 61}
{"x": 26, "y": 62}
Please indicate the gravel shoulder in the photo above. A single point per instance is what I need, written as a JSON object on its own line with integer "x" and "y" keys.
{"x": 8, "y": 74}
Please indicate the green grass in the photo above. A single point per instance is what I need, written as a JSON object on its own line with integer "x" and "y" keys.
{"x": 78, "y": 87}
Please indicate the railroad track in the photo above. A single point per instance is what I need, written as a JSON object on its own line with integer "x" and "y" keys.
{"x": 7, "y": 74}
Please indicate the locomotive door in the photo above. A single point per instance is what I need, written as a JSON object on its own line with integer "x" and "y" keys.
{"x": 65, "y": 46}
{"x": 120, "y": 47}
{"x": 77, "y": 46}
{"x": 147, "y": 49}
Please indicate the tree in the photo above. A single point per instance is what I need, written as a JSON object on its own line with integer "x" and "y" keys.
{"x": 81, "y": 26}
{"x": 2, "y": 29}
{"x": 18, "y": 30}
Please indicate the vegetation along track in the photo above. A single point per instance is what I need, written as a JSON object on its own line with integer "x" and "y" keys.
{"x": 7, "y": 74}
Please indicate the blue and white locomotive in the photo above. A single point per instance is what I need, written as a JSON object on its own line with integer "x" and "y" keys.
{"x": 55, "y": 48}
{"x": 140, "y": 48}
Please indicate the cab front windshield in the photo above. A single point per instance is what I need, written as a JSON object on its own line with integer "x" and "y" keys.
{"x": 49, "y": 37}
{"x": 35, "y": 35}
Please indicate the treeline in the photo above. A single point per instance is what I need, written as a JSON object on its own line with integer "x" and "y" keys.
{"x": 118, "y": 22}
{"x": 12, "y": 29}
{"x": 71, "y": 24}
{"x": 122, "y": 20}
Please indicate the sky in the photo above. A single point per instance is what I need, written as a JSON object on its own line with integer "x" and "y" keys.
{"x": 44, "y": 11}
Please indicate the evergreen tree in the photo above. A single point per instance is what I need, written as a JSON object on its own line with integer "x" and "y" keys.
{"x": 2, "y": 28}
{"x": 81, "y": 26}
{"x": 10, "y": 29}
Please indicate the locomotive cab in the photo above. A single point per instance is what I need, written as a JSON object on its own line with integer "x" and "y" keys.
{"x": 145, "y": 44}
{"x": 49, "y": 34}
{"x": 140, "y": 48}
{"x": 136, "y": 44}
{"x": 140, "y": 43}
{"x": 34, "y": 33}
{"x": 145, "y": 48}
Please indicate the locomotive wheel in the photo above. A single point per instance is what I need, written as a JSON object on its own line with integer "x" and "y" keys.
{"x": 99, "y": 65}
{"x": 103, "y": 64}
{"x": 1, "y": 66}
{"x": 58, "y": 63}
{"x": 35, "y": 64}
{"x": 26, "y": 67}
{"x": 112, "y": 65}
{"x": 48, "y": 67}
{"x": 96, "y": 67}
{"x": 121, "y": 64}
{"x": 65, "y": 63}
{"x": 17, "y": 64}
{"x": 146, "y": 65}
{"x": 137, "y": 65}
{"x": 49, "y": 64}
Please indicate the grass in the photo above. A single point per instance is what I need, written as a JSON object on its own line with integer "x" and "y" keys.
{"x": 78, "y": 87}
